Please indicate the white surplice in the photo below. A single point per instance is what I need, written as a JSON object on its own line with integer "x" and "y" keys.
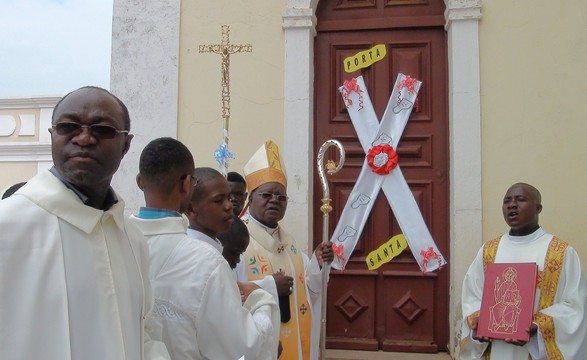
{"x": 568, "y": 310}
{"x": 215, "y": 243}
{"x": 198, "y": 312}
{"x": 240, "y": 272}
{"x": 71, "y": 280}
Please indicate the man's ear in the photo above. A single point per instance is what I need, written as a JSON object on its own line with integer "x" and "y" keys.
{"x": 539, "y": 208}
{"x": 127, "y": 141}
{"x": 187, "y": 186}
{"x": 140, "y": 182}
{"x": 190, "y": 211}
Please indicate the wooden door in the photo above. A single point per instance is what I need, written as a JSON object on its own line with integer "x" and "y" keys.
{"x": 396, "y": 307}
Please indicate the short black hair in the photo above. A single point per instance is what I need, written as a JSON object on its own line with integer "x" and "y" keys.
{"x": 204, "y": 174}
{"x": 236, "y": 231}
{"x": 163, "y": 162}
{"x": 11, "y": 190}
{"x": 122, "y": 106}
{"x": 233, "y": 176}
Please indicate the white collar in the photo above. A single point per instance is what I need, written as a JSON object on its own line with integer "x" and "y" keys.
{"x": 203, "y": 237}
{"x": 527, "y": 238}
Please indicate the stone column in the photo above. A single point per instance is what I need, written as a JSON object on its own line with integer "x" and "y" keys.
{"x": 462, "y": 25}
{"x": 144, "y": 75}
{"x": 299, "y": 24}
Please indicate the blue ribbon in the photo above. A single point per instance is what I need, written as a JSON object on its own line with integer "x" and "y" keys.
{"x": 222, "y": 154}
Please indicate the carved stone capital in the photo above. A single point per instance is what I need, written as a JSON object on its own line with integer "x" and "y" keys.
{"x": 462, "y": 10}
{"x": 299, "y": 18}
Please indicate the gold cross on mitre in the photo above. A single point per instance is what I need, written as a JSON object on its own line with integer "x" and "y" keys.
{"x": 225, "y": 49}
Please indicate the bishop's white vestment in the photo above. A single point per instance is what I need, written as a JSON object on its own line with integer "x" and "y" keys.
{"x": 198, "y": 312}
{"x": 268, "y": 254}
{"x": 73, "y": 285}
{"x": 561, "y": 298}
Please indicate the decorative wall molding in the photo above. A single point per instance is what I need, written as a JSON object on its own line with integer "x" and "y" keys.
{"x": 299, "y": 18}
{"x": 462, "y": 10}
{"x": 29, "y": 102}
{"x": 25, "y": 152}
{"x": 38, "y": 151}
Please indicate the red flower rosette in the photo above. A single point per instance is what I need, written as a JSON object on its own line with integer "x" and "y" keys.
{"x": 382, "y": 159}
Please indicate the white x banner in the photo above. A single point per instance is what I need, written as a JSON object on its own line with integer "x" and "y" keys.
{"x": 381, "y": 170}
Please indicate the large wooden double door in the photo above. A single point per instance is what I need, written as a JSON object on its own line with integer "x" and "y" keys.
{"x": 396, "y": 307}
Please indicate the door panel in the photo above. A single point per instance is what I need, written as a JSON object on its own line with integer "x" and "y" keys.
{"x": 396, "y": 307}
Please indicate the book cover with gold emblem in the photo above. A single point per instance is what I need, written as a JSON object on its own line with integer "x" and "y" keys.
{"x": 507, "y": 305}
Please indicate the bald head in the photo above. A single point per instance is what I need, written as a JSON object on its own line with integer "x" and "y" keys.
{"x": 531, "y": 190}
{"x": 521, "y": 206}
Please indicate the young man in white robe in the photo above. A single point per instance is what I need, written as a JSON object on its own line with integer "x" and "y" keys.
{"x": 559, "y": 327}
{"x": 198, "y": 311}
{"x": 272, "y": 253}
{"x": 73, "y": 285}
{"x": 210, "y": 212}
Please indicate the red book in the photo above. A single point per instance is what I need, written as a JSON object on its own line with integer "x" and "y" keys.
{"x": 507, "y": 305}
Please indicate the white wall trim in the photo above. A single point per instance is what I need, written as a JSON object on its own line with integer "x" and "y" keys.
{"x": 461, "y": 10}
{"x": 29, "y": 102}
{"x": 25, "y": 152}
{"x": 38, "y": 151}
{"x": 299, "y": 25}
{"x": 466, "y": 236}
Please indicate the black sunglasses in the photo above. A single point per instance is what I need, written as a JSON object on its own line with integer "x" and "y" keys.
{"x": 97, "y": 131}
{"x": 269, "y": 196}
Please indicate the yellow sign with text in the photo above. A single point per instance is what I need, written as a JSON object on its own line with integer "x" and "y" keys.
{"x": 364, "y": 58}
{"x": 386, "y": 252}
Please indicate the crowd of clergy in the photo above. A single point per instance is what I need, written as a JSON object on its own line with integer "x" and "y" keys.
{"x": 81, "y": 280}
{"x": 204, "y": 270}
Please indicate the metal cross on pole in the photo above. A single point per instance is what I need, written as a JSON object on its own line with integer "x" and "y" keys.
{"x": 225, "y": 49}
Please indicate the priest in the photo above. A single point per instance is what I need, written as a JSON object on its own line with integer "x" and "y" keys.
{"x": 273, "y": 253}
{"x": 73, "y": 284}
{"x": 559, "y": 326}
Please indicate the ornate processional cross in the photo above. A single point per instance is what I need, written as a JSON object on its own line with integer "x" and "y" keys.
{"x": 225, "y": 49}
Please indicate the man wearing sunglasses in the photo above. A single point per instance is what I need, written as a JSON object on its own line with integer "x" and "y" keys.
{"x": 73, "y": 284}
{"x": 273, "y": 253}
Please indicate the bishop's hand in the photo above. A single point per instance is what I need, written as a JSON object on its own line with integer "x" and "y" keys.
{"x": 284, "y": 283}
{"x": 324, "y": 253}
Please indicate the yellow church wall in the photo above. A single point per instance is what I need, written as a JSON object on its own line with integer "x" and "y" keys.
{"x": 256, "y": 78}
{"x": 533, "y": 87}
{"x": 533, "y": 79}
{"x": 15, "y": 172}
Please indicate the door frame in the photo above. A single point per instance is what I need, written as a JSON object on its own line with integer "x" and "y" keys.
{"x": 464, "y": 103}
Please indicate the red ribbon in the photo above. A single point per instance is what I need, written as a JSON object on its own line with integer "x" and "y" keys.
{"x": 350, "y": 86}
{"x": 374, "y": 157}
{"x": 408, "y": 83}
{"x": 429, "y": 255}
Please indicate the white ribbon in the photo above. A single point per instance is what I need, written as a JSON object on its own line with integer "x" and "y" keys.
{"x": 404, "y": 206}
